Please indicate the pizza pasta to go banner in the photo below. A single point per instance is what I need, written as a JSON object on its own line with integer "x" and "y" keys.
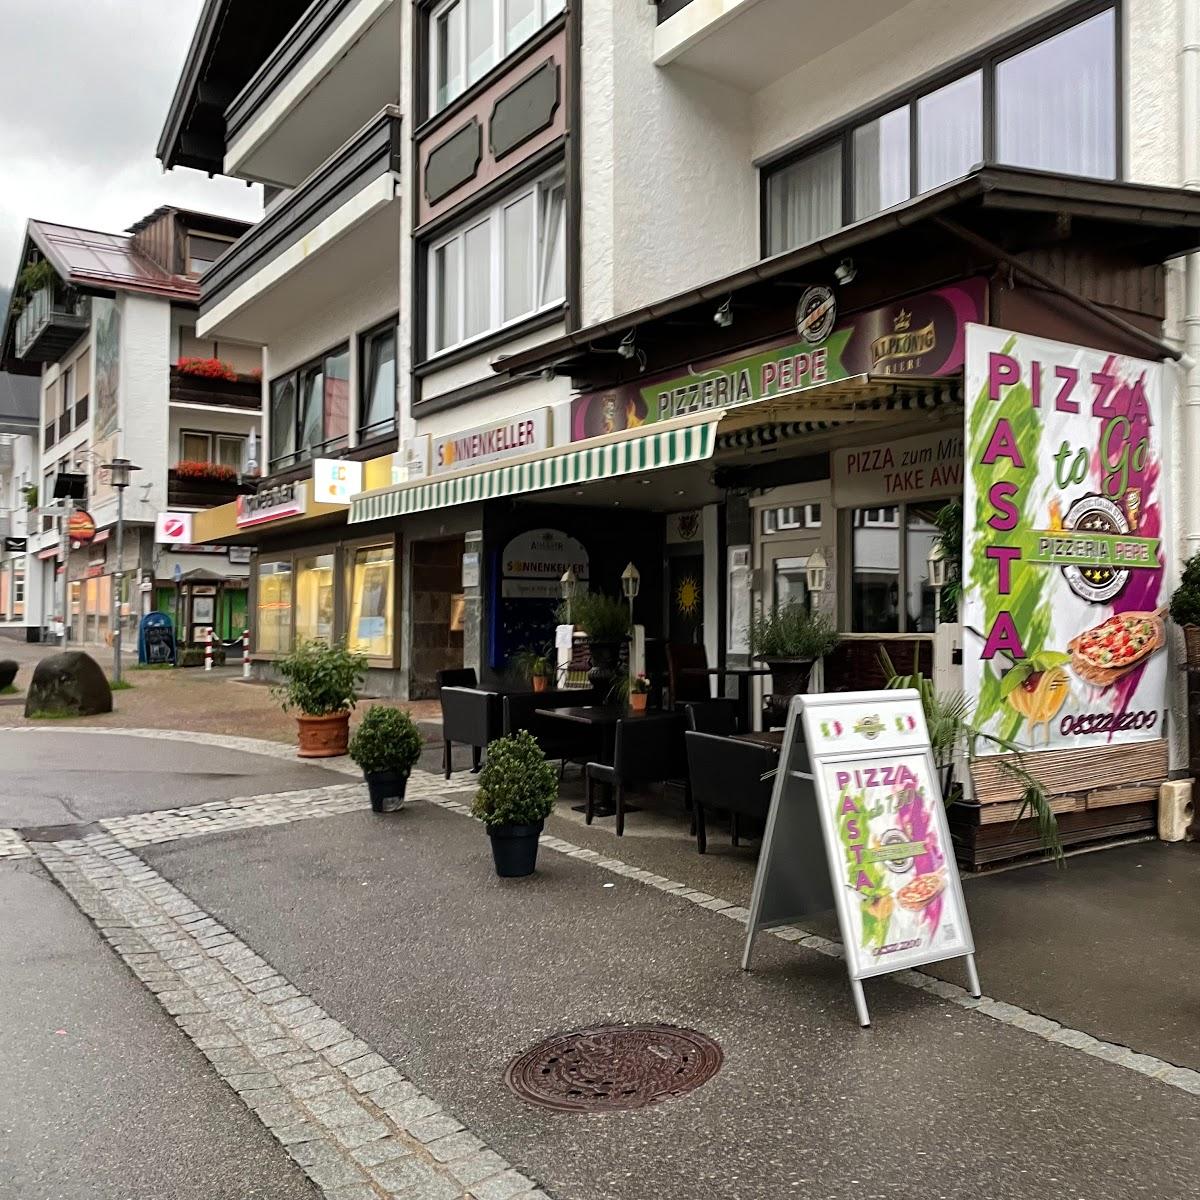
{"x": 1064, "y": 557}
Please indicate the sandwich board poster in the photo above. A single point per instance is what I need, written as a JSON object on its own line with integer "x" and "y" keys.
{"x": 893, "y": 877}
{"x": 1065, "y": 555}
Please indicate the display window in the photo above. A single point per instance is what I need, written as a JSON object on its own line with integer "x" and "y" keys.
{"x": 315, "y": 598}
{"x": 273, "y": 608}
{"x": 371, "y": 587}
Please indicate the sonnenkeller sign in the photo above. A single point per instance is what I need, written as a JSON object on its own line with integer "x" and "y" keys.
{"x": 521, "y": 434}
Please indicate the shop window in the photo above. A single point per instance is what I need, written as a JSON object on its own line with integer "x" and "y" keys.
{"x": 273, "y": 608}
{"x": 314, "y": 598}
{"x": 377, "y": 399}
{"x": 1056, "y": 105}
{"x": 310, "y": 409}
{"x": 18, "y": 588}
{"x": 371, "y": 586}
{"x": 499, "y": 268}
{"x": 890, "y": 590}
{"x": 1056, "y": 108}
{"x": 468, "y": 37}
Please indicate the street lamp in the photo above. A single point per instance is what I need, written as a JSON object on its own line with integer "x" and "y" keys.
{"x": 814, "y": 571}
{"x": 567, "y": 587}
{"x": 119, "y": 472}
{"x": 631, "y": 584}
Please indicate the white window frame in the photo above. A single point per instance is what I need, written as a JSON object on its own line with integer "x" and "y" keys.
{"x": 547, "y": 10}
{"x": 540, "y": 190}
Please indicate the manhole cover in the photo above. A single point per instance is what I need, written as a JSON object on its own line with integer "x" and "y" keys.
{"x": 58, "y": 833}
{"x": 614, "y": 1067}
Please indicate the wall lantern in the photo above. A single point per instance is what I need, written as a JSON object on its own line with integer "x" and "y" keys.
{"x": 814, "y": 571}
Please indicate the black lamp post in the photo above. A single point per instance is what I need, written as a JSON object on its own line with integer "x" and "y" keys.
{"x": 119, "y": 472}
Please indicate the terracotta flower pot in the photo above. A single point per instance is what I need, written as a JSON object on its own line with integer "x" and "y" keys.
{"x": 324, "y": 737}
{"x": 541, "y": 683}
{"x": 637, "y": 701}
{"x": 1191, "y": 643}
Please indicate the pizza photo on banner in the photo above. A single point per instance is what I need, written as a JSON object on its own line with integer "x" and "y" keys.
{"x": 1064, "y": 547}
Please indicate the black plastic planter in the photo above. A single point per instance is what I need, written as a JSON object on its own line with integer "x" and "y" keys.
{"x": 514, "y": 849}
{"x": 387, "y": 789}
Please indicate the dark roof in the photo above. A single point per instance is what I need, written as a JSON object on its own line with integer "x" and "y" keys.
{"x": 233, "y": 39}
{"x": 1010, "y": 206}
{"x": 89, "y": 259}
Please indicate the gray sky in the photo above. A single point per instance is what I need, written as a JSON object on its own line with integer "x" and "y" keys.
{"x": 84, "y": 90}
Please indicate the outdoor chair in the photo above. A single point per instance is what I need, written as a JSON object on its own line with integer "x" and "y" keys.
{"x": 469, "y": 717}
{"x": 457, "y": 677}
{"x": 644, "y": 752}
{"x": 727, "y": 776}
{"x": 717, "y": 716}
{"x": 561, "y": 740}
{"x": 687, "y": 673}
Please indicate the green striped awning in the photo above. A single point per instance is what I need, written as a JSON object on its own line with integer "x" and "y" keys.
{"x": 647, "y": 450}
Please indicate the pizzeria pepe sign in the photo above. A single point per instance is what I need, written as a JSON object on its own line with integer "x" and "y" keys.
{"x": 1064, "y": 561}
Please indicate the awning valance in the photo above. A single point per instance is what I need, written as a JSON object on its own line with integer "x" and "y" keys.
{"x": 672, "y": 443}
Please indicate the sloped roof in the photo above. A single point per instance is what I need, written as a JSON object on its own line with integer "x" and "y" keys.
{"x": 87, "y": 258}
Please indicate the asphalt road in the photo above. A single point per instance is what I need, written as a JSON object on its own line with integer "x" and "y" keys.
{"x": 101, "y": 1096}
{"x": 65, "y": 778}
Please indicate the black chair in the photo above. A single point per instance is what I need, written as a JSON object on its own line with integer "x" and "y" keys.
{"x": 646, "y": 751}
{"x": 457, "y": 677}
{"x": 469, "y": 717}
{"x": 562, "y": 740}
{"x": 717, "y": 716}
{"x": 728, "y": 776}
{"x": 687, "y": 673}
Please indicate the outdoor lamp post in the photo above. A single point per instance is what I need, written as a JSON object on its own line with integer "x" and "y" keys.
{"x": 631, "y": 584}
{"x": 119, "y": 472}
{"x": 936, "y": 562}
{"x": 567, "y": 586}
{"x": 814, "y": 571}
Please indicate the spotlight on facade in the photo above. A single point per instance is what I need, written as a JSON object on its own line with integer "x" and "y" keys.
{"x": 845, "y": 272}
{"x": 724, "y": 315}
{"x": 627, "y": 349}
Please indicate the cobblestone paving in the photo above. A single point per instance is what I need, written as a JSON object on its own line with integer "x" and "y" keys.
{"x": 11, "y": 845}
{"x": 357, "y": 1127}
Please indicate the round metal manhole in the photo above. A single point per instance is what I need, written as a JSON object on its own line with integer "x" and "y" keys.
{"x": 614, "y": 1067}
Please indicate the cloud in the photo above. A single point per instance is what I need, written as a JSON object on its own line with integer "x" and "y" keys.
{"x": 84, "y": 90}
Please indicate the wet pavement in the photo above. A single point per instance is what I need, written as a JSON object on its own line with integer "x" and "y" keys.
{"x": 400, "y": 928}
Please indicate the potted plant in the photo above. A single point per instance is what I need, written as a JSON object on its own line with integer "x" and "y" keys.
{"x": 1185, "y": 609}
{"x": 789, "y": 639}
{"x": 385, "y": 745}
{"x": 321, "y": 682}
{"x": 605, "y": 620}
{"x": 517, "y": 790}
{"x": 534, "y": 665}
{"x": 639, "y": 693}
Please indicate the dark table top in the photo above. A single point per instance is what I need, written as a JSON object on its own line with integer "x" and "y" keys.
{"x": 768, "y": 737}
{"x": 601, "y": 715}
{"x": 726, "y": 671}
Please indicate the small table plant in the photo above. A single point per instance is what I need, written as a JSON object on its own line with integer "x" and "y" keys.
{"x": 517, "y": 791}
{"x": 639, "y": 693}
{"x": 321, "y": 683}
{"x": 386, "y": 745}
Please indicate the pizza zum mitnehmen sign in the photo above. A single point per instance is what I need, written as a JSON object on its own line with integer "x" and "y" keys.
{"x": 1064, "y": 559}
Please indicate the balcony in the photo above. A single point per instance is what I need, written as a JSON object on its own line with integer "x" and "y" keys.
{"x": 244, "y": 392}
{"x": 51, "y": 322}
{"x": 338, "y": 65}
{"x": 188, "y": 487}
{"x": 751, "y": 43}
{"x": 336, "y": 230}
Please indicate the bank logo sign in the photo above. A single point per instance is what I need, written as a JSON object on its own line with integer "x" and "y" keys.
{"x": 173, "y": 528}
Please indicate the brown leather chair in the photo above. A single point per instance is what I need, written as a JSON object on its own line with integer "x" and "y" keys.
{"x": 687, "y": 677}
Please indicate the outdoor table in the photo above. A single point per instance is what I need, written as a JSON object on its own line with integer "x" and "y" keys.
{"x": 772, "y": 738}
{"x": 743, "y": 675}
{"x": 605, "y": 719}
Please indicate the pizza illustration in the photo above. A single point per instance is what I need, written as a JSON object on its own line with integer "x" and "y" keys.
{"x": 918, "y": 892}
{"x": 1104, "y": 653}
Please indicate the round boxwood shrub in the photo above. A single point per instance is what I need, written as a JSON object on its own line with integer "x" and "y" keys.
{"x": 387, "y": 739}
{"x": 517, "y": 786}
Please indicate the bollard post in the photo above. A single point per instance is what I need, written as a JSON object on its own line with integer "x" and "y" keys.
{"x": 245, "y": 654}
{"x": 208, "y": 648}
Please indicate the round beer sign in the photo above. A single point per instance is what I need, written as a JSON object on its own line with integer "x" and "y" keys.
{"x": 81, "y": 528}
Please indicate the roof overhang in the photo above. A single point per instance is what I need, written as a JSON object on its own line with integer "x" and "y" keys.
{"x": 1018, "y": 210}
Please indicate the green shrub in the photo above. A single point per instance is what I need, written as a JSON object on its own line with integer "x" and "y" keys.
{"x": 517, "y": 786}
{"x": 792, "y": 632}
{"x": 319, "y": 679}
{"x": 387, "y": 739}
{"x": 603, "y": 618}
{"x": 1185, "y": 603}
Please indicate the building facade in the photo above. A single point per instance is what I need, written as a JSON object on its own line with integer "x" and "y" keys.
{"x": 18, "y": 472}
{"x": 105, "y": 325}
{"x": 676, "y": 284}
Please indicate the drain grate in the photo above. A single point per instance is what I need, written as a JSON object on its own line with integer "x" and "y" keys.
{"x": 58, "y": 833}
{"x": 614, "y": 1067}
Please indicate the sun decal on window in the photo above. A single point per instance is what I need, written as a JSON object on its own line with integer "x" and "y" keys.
{"x": 687, "y": 596}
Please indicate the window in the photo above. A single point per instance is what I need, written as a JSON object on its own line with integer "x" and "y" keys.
{"x": 791, "y": 582}
{"x": 1056, "y": 108}
{"x": 231, "y": 451}
{"x": 1056, "y": 102}
{"x": 804, "y": 200}
{"x": 314, "y": 598}
{"x": 468, "y": 37}
{"x": 377, "y": 381}
{"x": 202, "y": 252}
{"x": 794, "y": 516}
{"x": 274, "y": 608}
{"x": 310, "y": 409}
{"x": 195, "y": 447}
{"x": 500, "y": 268}
{"x": 370, "y": 586}
{"x": 890, "y": 590}
{"x": 18, "y": 588}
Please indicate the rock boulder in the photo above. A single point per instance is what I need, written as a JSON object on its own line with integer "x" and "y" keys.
{"x": 8, "y": 672}
{"x": 69, "y": 683}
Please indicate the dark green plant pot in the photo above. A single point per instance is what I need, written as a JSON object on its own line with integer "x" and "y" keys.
{"x": 514, "y": 849}
{"x": 605, "y": 659}
{"x": 789, "y": 677}
{"x": 387, "y": 790}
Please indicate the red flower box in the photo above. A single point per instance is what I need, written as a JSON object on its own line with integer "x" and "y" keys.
{"x": 207, "y": 368}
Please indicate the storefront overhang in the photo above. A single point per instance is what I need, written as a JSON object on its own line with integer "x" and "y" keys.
{"x": 682, "y": 441}
{"x": 1032, "y": 214}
